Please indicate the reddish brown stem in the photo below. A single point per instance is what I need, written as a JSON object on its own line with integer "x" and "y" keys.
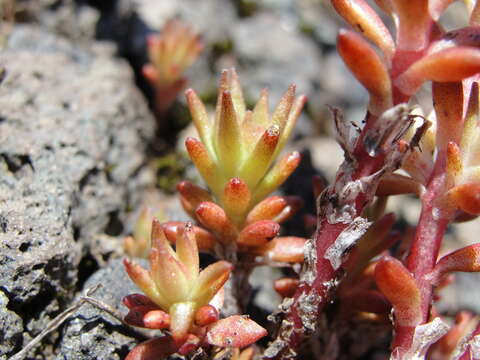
{"x": 313, "y": 295}
{"x": 433, "y": 223}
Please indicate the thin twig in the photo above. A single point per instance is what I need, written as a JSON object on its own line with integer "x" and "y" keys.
{"x": 60, "y": 319}
{"x": 105, "y": 307}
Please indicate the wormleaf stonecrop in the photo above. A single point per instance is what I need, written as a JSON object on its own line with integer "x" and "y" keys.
{"x": 238, "y": 146}
{"x": 181, "y": 298}
{"x": 236, "y": 157}
{"x": 170, "y": 53}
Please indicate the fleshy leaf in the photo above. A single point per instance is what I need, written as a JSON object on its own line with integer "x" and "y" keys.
{"x": 187, "y": 251}
{"x": 204, "y": 163}
{"x": 366, "y": 21}
{"x": 206, "y": 315}
{"x": 283, "y": 249}
{"x": 395, "y": 184}
{"x": 169, "y": 274}
{"x": 228, "y": 138}
{"x": 282, "y": 111}
{"x": 414, "y": 24}
{"x": 181, "y": 319}
{"x": 210, "y": 280}
{"x": 235, "y": 331}
{"x": 286, "y": 287}
{"x": 448, "y": 103}
{"x": 154, "y": 349}
{"x": 236, "y": 197}
{"x": 134, "y": 300}
{"x": 257, "y": 163}
{"x": 277, "y": 175}
{"x": 146, "y": 317}
{"x": 258, "y": 233}
{"x": 199, "y": 117}
{"x": 466, "y": 259}
{"x": 400, "y": 288}
{"x": 144, "y": 281}
{"x": 452, "y": 64}
{"x": 214, "y": 218}
{"x": 368, "y": 68}
{"x": 205, "y": 240}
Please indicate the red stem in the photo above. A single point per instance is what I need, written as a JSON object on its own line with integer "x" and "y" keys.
{"x": 326, "y": 275}
{"x": 433, "y": 223}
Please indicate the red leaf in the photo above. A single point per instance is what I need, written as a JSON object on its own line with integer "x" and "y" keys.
{"x": 134, "y": 300}
{"x": 234, "y": 331}
{"x": 153, "y": 349}
{"x": 206, "y": 315}
{"x": 205, "y": 239}
{"x": 146, "y": 317}
{"x": 286, "y": 287}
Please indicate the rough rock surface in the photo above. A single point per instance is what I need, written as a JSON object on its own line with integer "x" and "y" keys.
{"x": 91, "y": 333}
{"x": 73, "y": 130}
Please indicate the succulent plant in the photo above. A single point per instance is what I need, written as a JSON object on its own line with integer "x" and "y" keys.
{"x": 170, "y": 53}
{"x": 181, "y": 298}
{"x": 238, "y": 147}
{"x": 174, "y": 282}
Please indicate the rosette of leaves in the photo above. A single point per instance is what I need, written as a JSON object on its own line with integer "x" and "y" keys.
{"x": 235, "y": 154}
{"x": 170, "y": 53}
{"x": 183, "y": 300}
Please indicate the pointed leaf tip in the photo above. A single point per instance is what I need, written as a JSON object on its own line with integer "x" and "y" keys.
{"x": 236, "y": 196}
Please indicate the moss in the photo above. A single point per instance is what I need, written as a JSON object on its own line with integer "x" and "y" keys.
{"x": 170, "y": 170}
{"x": 246, "y": 8}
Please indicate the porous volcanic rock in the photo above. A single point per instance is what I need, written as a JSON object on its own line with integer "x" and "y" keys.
{"x": 93, "y": 334}
{"x": 73, "y": 131}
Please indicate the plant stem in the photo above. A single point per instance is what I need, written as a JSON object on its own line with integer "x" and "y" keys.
{"x": 313, "y": 295}
{"x": 433, "y": 222}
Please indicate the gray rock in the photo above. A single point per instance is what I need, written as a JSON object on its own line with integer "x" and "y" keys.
{"x": 11, "y": 327}
{"x": 64, "y": 17}
{"x": 270, "y": 53}
{"x": 73, "y": 130}
{"x": 198, "y": 13}
{"x": 92, "y": 333}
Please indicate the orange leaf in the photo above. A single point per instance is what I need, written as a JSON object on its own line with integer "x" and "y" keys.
{"x": 400, "y": 288}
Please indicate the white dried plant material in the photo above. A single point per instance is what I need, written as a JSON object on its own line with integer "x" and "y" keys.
{"x": 345, "y": 241}
{"x": 344, "y": 214}
{"x": 424, "y": 336}
{"x": 280, "y": 346}
{"x": 390, "y": 127}
{"x": 346, "y": 135}
{"x": 285, "y": 305}
{"x": 470, "y": 344}
{"x": 307, "y": 309}
{"x": 309, "y": 272}
{"x": 475, "y": 347}
{"x": 282, "y": 308}
{"x": 331, "y": 284}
